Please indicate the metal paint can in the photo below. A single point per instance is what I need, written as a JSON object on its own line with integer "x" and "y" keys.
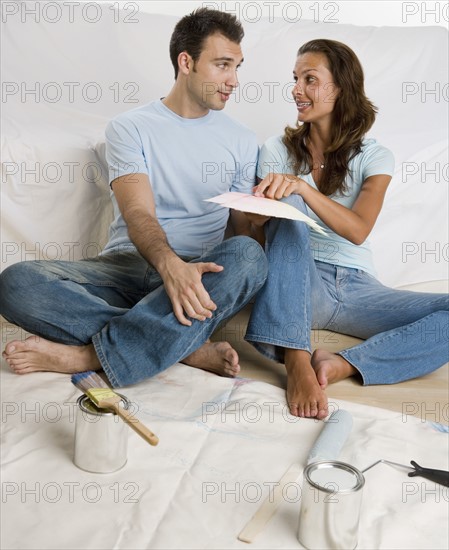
{"x": 330, "y": 509}
{"x": 101, "y": 437}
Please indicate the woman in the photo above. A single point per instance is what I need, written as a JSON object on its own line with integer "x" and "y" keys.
{"x": 329, "y": 170}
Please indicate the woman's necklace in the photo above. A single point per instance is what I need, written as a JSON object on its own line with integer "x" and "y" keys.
{"x": 320, "y": 164}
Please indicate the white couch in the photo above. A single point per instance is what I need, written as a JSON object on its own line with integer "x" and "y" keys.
{"x": 63, "y": 81}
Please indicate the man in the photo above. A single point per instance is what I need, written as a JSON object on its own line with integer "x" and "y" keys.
{"x": 166, "y": 279}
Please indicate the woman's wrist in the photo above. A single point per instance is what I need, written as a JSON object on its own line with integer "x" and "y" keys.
{"x": 299, "y": 185}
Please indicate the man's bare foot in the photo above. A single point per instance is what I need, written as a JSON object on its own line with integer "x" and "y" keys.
{"x": 37, "y": 354}
{"x": 217, "y": 357}
{"x": 330, "y": 367}
{"x": 305, "y": 397}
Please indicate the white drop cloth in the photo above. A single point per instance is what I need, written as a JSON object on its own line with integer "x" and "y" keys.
{"x": 224, "y": 443}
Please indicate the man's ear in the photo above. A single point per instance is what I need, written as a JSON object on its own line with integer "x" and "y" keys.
{"x": 185, "y": 63}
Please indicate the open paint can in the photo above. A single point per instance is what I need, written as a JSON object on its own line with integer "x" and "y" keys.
{"x": 101, "y": 437}
{"x": 331, "y": 500}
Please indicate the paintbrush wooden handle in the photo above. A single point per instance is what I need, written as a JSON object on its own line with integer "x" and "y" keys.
{"x": 134, "y": 423}
{"x": 266, "y": 510}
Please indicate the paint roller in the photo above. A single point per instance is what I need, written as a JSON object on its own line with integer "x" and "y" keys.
{"x": 326, "y": 447}
{"x": 332, "y": 437}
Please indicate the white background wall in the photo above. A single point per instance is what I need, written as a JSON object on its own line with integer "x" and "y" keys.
{"x": 405, "y": 63}
{"x": 391, "y": 13}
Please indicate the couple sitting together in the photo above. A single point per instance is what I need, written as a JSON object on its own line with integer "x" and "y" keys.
{"x": 166, "y": 279}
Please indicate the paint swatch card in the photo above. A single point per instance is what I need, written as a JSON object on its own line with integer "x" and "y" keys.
{"x": 266, "y": 207}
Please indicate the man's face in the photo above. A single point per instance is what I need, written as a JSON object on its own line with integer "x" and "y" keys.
{"x": 214, "y": 74}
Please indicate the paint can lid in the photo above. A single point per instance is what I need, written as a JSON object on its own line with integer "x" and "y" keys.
{"x": 332, "y": 476}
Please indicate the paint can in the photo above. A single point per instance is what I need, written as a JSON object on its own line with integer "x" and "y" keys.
{"x": 101, "y": 437}
{"x": 330, "y": 508}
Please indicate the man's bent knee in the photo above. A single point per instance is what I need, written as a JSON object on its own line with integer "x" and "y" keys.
{"x": 13, "y": 281}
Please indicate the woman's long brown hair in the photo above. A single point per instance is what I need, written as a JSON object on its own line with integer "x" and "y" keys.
{"x": 352, "y": 116}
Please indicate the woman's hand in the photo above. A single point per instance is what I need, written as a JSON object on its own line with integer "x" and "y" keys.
{"x": 276, "y": 186}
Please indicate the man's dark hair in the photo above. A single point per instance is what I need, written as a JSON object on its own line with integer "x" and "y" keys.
{"x": 192, "y": 31}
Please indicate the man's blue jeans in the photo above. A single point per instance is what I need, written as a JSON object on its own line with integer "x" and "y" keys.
{"x": 118, "y": 303}
{"x": 407, "y": 333}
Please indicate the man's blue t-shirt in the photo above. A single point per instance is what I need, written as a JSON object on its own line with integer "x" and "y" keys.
{"x": 187, "y": 161}
{"x": 372, "y": 160}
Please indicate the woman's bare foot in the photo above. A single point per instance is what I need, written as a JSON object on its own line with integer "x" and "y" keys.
{"x": 330, "y": 367}
{"x": 305, "y": 397}
{"x": 217, "y": 357}
{"x": 37, "y": 354}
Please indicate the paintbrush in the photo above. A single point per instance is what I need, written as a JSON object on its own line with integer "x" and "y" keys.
{"x": 104, "y": 397}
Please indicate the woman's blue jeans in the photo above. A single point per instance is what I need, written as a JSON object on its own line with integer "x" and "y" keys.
{"x": 406, "y": 333}
{"x": 118, "y": 303}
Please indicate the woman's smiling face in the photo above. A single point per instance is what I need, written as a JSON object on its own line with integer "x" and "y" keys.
{"x": 315, "y": 91}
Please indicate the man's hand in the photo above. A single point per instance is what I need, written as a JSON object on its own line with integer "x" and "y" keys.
{"x": 182, "y": 280}
{"x": 185, "y": 289}
{"x": 257, "y": 220}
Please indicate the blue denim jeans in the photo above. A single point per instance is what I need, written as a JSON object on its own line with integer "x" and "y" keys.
{"x": 406, "y": 333}
{"x": 118, "y": 303}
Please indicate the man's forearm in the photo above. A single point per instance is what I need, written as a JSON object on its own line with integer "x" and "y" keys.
{"x": 258, "y": 234}
{"x": 150, "y": 240}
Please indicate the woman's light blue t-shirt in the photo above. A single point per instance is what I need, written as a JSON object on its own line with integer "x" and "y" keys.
{"x": 372, "y": 160}
{"x": 187, "y": 161}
